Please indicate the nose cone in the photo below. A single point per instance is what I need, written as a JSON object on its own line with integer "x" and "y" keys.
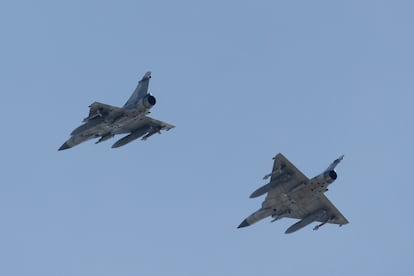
{"x": 243, "y": 224}
{"x": 64, "y": 146}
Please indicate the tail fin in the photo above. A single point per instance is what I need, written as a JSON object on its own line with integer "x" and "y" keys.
{"x": 139, "y": 92}
{"x": 335, "y": 163}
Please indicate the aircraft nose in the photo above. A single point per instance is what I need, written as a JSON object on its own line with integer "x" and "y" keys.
{"x": 64, "y": 146}
{"x": 244, "y": 224}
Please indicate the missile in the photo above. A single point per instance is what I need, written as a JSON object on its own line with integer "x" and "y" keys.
{"x": 125, "y": 140}
{"x": 104, "y": 138}
{"x": 256, "y": 216}
{"x": 307, "y": 220}
{"x": 279, "y": 216}
{"x": 281, "y": 178}
{"x": 152, "y": 132}
{"x": 262, "y": 190}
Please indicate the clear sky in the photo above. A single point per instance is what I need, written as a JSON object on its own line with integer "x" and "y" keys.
{"x": 242, "y": 81}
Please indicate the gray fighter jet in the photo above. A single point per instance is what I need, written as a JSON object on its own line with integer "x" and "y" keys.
{"x": 291, "y": 194}
{"x": 106, "y": 121}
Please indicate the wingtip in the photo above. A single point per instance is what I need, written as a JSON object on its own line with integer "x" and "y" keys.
{"x": 277, "y": 156}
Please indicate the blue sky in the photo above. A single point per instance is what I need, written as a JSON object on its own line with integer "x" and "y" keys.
{"x": 242, "y": 81}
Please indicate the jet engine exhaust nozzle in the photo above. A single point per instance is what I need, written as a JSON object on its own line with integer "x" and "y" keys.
{"x": 328, "y": 176}
{"x": 332, "y": 174}
{"x": 149, "y": 101}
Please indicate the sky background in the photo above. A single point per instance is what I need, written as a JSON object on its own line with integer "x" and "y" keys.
{"x": 242, "y": 81}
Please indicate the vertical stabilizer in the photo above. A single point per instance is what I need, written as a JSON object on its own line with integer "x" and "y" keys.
{"x": 139, "y": 92}
{"x": 335, "y": 163}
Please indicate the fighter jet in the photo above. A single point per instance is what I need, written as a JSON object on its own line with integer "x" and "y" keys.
{"x": 290, "y": 194}
{"x": 106, "y": 121}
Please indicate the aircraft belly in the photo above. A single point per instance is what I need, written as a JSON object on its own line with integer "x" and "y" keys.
{"x": 299, "y": 203}
{"x": 100, "y": 127}
{"x": 284, "y": 202}
{"x": 129, "y": 125}
{"x": 307, "y": 197}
